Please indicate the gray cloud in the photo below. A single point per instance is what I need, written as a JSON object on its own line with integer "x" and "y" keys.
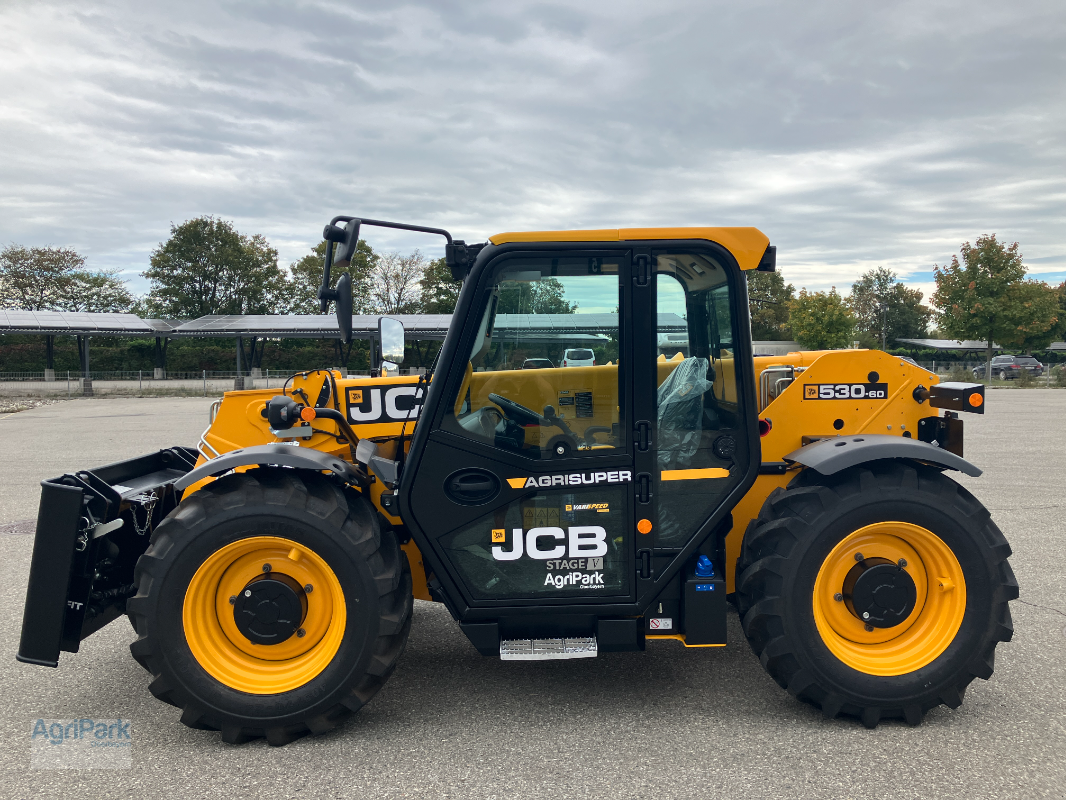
{"x": 853, "y": 134}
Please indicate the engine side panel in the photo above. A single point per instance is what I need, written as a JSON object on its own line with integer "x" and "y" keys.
{"x": 837, "y": 393}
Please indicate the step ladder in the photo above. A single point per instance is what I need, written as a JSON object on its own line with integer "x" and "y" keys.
{"x": 547, "y": 649}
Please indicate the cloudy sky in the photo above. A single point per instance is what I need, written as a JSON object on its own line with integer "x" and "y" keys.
{"x": 855, "y": 134}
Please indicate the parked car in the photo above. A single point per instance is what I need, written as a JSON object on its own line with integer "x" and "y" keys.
{"x": 537, "y": 363}
{"x": 1010, "y": 367}
{"x": 579, "y": 357}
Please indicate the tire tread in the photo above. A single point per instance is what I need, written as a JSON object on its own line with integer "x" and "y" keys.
{"x": 788, "y": 518}
{"x": 358, "y": 526}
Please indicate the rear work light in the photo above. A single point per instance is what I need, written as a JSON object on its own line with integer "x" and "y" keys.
{"x": 954, "y": 396}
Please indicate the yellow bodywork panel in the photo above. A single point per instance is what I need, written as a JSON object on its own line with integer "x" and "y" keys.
{"x": 240, "y": 423}
{"x": 746, "y": 244}
{"x": 802, "y": 410}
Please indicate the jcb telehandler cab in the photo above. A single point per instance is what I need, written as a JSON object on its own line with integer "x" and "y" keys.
{"x": 558, "y": 512}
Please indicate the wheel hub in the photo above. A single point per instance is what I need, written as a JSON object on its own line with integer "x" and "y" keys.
{"x": 879, "y": 592}
{"x": 270, "y": 609}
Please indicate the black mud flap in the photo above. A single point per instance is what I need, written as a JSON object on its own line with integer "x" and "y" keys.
{"x": 92, "y": 527}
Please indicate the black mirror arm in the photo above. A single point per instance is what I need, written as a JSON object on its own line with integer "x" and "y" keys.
{"x": 325, "y": 294}
{"x": 403, "y": 226}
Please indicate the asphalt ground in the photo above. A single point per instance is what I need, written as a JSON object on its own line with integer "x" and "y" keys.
{"x": 668, "y": 722}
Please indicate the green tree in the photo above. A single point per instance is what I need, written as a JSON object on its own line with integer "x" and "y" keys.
{"x": 886, "y": 310}
{"x": 821, "y": 320}
{"x": 99, "y": 291}
{"x": 768, "y": 299}
{"x": 986, "y": 296}
{"x": 1038, "y": 313}
{"x": 1062, "y": 310}
{"x": 440, "y": 292}
{"x": 54, "y": 278}
{"x": 208, "y": 267}
{"x": 544, "y": 296}
{"x": 306, "y": 278}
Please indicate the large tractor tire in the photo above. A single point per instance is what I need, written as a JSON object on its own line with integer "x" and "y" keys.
{"x": 879, "y": 592}
{"x": 270, "y": 604}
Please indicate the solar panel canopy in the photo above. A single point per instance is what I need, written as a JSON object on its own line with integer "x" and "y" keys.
{"x": 949, "y": 344}
{"x": 55, "y": 323}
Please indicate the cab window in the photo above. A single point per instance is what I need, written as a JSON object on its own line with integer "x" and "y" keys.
{"x": 542, "y": 375}
{"x": 698, "y": 420}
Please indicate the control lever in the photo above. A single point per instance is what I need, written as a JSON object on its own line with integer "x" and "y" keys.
{"x": 552, "y": 419}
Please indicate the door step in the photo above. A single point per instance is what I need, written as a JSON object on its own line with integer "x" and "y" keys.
{"x": 547, "y": 649}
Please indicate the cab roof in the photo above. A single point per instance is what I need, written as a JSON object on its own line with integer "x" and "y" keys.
{"x": 746, "y": 244}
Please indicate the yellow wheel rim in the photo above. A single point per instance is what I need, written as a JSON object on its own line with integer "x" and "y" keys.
{"x": 932, "y": 624}
{"x": 230, "y": 657}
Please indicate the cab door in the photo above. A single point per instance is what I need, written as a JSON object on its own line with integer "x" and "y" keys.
{"x": 694, "y": 388}
{"x": 521, "y": 494}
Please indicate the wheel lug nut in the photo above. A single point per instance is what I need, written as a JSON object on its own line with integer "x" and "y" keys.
{"x": 233, "y": 599}
{"x": 266, "y": 568}
{"x": 309, "y": 588}
{"x": 869, "y": 628}
{"x": 901, "y": 563}
{"x": 301, "y": 633}
{"x": 865, "y": 614}
{"x": 838, "y": 597}
{"x": 858, "y": 556}
{"x": 247, "y": 592}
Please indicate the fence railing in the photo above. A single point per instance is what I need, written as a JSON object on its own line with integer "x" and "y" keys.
{"x": 146, "y": 376}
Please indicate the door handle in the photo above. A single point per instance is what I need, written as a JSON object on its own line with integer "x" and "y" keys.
{"x": 472, "y": 486}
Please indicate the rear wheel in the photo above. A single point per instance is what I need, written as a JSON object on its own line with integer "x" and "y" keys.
{"x": 879, "y": 592}
{"x": 269, "y": 604}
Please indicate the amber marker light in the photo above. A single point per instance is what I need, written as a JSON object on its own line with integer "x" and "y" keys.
{"x": 976, "y": 400}
{"x": 307, "y": 414}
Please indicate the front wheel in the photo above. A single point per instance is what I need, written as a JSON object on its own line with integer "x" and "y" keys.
{"x": 1002, "y": 375}
{"x": 879, "y": 592}
{"x": 270, "y": 604}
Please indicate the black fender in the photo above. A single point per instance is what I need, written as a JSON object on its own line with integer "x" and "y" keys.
{"x": 829, "y": 456}
{"x": 284, "y": 455}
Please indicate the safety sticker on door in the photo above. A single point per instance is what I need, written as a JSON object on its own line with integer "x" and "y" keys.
{"x": 845, "y": 391}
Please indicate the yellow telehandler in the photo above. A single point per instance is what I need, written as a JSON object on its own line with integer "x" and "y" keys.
{"x": 558, "y": 507}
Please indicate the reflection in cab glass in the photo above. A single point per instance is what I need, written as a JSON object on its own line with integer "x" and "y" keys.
{"x": 544, "y": 312}
{"x": 697, "y": 425}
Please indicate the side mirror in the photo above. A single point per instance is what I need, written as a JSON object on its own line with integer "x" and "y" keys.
{"x": 391, "y": 336}
{"x": 344, "y": 307}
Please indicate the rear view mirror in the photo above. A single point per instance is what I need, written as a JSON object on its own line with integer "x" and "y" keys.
{"x": 344, "y": 306}
{"x": 391, "y": 336}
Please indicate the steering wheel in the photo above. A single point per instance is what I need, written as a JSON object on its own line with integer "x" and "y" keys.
{"x": 516, "y": 412}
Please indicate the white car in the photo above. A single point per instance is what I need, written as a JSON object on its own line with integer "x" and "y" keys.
{"x": 579, "y": 357}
